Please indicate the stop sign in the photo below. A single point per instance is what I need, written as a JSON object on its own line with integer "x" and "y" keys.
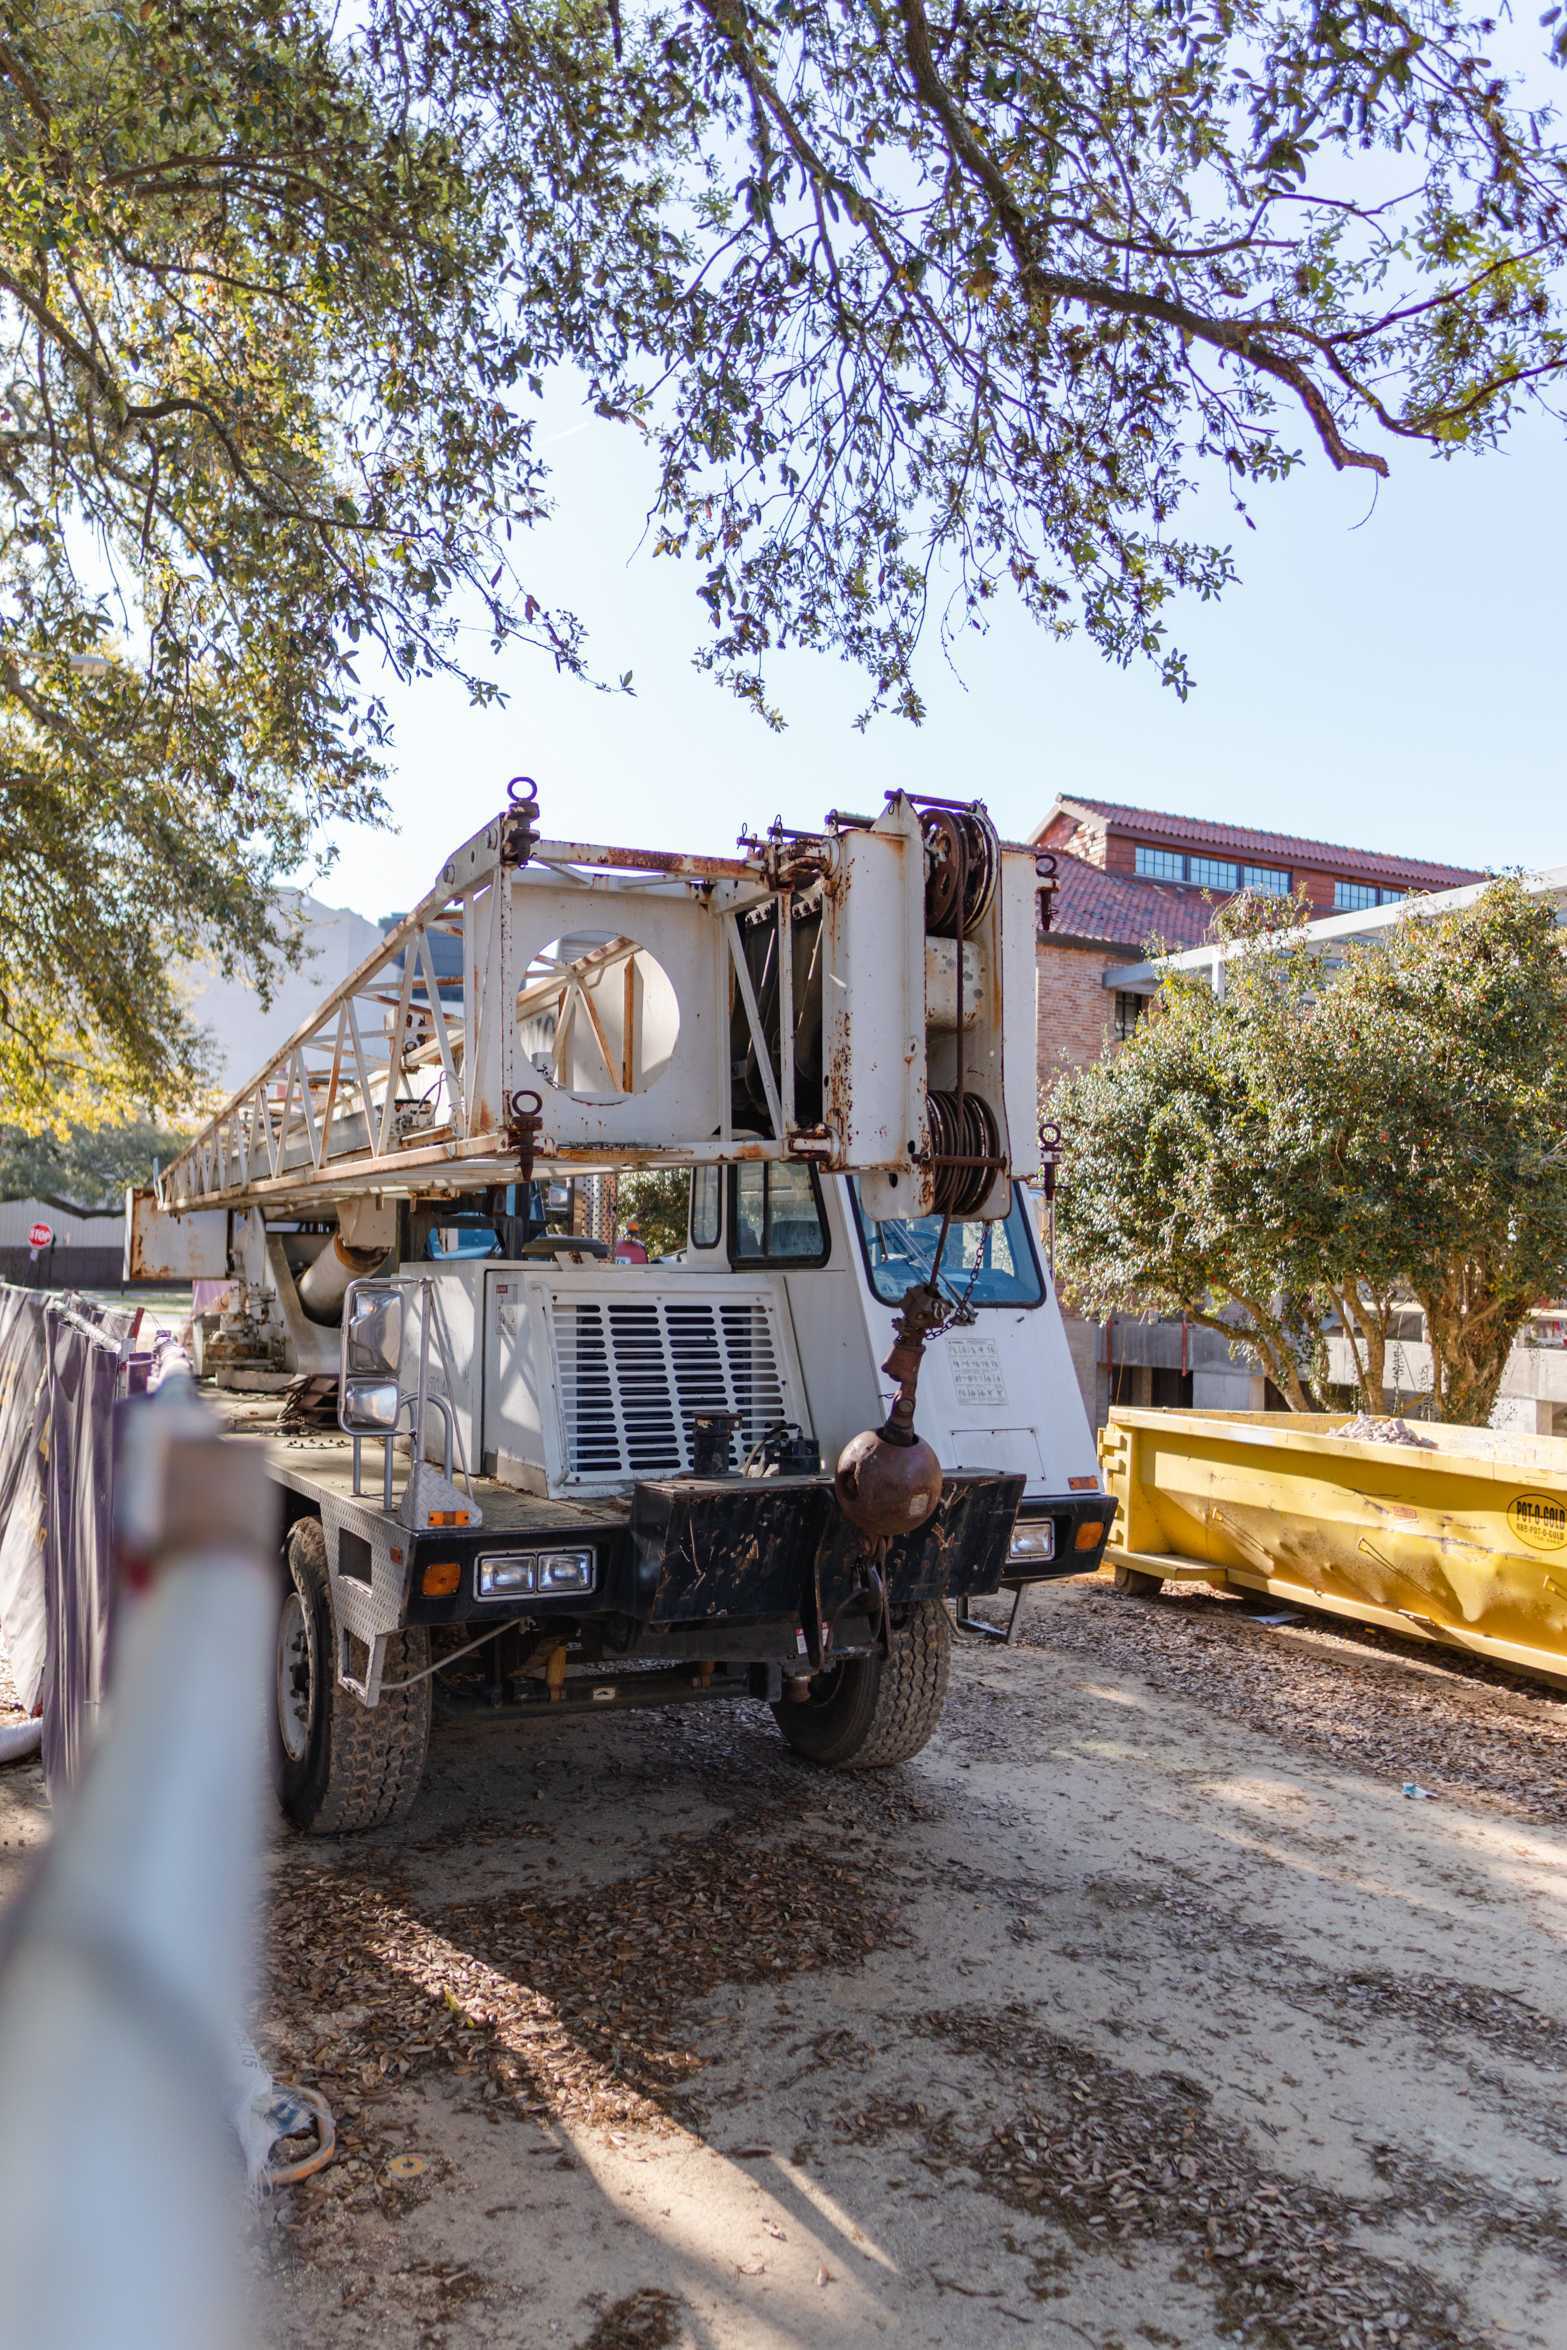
{"x": 41, "y": 1236}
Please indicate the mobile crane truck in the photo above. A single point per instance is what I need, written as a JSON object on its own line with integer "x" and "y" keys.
{"x": 566, "y": 1483}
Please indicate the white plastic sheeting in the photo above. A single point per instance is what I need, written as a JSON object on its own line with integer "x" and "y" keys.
{"x": 63, "y": 1362}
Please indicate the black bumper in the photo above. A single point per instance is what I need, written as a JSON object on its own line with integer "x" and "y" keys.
{"x": 767, "y": 1546}
{"x": 736, "y": 1550}
{"x": 1077, "y": 1518}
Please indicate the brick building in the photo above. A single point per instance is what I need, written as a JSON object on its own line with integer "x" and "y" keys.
{"x": 1128, "y": 877}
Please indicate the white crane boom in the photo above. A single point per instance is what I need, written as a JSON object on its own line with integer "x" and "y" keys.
{"x": 560, "y": 1003}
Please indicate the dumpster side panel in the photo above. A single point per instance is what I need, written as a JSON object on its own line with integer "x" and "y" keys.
{"x": 1448, "y": 1541}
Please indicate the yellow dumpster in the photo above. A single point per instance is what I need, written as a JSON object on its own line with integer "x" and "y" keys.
{"x": 1459, "y": 1538}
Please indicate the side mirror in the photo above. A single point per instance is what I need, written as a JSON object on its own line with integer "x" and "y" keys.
{"x": 368, "y": 1407}
{"x": 369, "y": 1382}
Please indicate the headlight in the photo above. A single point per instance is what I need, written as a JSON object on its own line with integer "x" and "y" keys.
{"x": 565, "y": 1570}
{"x": 511, "y": 1574}
{"x": 1033, "y": 1538}
{"x": 505, "y": 1574}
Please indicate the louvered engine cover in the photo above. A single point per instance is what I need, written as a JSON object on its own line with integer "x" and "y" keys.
{"x": 636, "y": 1356}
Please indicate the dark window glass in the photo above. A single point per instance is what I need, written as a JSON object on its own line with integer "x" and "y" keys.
{"x": 1129, "y": 1009}
{"x": 999, "y": 1258}
{"x": 775, "y": 1215}
{"x": 704, "y": 1207}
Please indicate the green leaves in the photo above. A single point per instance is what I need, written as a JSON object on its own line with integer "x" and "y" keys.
{"x": 911, "y": 311}
{"x": 1308, "y": 1147}
{"x": 247, "y": 305}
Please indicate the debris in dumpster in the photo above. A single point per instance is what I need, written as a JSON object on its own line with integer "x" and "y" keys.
{"x": 1373, "y": 1428}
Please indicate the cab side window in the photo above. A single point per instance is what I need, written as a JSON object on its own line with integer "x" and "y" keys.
{"x": 775, "y": 1215}
{"x": 704, "y": 1207}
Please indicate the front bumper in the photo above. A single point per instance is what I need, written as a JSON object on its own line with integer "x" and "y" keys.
{"x": 736, "y": 1550}
{"x": 1081, "y": 1525}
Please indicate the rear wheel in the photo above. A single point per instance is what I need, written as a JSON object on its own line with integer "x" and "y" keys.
{"x": 869, "y": 1711}
{"x": 341, "y": 1765}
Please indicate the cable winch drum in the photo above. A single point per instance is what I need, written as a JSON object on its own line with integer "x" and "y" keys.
{"x": 972, "y": 1137}
{"x": 960, "y": 844}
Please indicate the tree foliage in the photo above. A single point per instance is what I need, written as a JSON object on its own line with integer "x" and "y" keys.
{"x": 659, "y": 1198}
{"x": 86, "y": 1170}
{"x": 1307, "y": 1147}
{"x": 907, "y": 308}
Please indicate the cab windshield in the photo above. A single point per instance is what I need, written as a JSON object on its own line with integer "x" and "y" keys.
{"x": 998, "y": 1258}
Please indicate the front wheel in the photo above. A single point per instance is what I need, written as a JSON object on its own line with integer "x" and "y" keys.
{"x": 341, "y": 1765}
{"x": 869, "y": 1711}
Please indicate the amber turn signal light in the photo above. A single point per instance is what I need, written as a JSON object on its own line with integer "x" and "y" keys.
{"x": 440, "y": 1579}
{"x": 1087, "y": 1534}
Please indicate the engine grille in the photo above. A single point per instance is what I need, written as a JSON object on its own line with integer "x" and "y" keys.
{"x": 633, "y": 1374}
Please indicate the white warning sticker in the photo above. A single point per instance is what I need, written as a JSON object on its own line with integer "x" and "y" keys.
{"x": 977, "y": 1376}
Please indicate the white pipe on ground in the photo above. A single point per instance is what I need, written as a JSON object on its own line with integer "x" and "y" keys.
{"x": 19, "y": 1741}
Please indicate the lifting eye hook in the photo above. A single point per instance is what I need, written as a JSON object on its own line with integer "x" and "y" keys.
{"x": 525, "y": 1116}
{"x": 520, "y": 823}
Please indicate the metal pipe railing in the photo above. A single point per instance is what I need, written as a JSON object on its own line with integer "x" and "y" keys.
{"x": 128, "y": 1969}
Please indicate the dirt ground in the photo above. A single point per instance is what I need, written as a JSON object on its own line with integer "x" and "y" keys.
{"x": 1142, "y": 2009}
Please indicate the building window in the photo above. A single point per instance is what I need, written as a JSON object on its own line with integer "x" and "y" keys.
{"x": 1129, "y": 1009}
{"x": 1352, "y": 897}
{"x": 1266, "y": 880}
{"x": 1220, "y": 873}
{"x": 1160, "y": 864}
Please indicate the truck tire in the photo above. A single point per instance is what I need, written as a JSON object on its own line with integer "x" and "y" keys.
{"x": 341, "y": 1766}
{"x": 870, "y": 1711}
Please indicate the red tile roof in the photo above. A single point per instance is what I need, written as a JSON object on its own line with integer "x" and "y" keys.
{"x": 1195, "y": 832}
{"x": 1117, "y": 910}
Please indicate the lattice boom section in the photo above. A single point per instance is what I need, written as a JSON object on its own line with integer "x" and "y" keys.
{"x": 633, "y": 1375}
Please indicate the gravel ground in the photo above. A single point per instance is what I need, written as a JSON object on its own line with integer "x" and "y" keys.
{"x": 1140, "y": 2010}
{"x": 1354, "y": 1695}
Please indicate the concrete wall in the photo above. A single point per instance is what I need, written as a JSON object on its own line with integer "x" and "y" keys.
{"x": 335, "y": 940}
{"x": 18, "y": 1216}
{"x": 1533, "y": 1396}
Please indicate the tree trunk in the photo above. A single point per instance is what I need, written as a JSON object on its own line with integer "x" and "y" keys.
{"x": 1369, "y": 1343}
{"x": 1468, "y": 1363}
{"x": 1271, "y": 1345}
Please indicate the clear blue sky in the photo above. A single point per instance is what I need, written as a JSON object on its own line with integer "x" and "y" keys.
{"x": 1395, "y": 685}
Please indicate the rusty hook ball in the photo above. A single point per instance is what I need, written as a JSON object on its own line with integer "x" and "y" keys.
{"x": 884, "y": 1487}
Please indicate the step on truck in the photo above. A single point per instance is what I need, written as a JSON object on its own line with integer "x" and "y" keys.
{"x": 525, "y": 1466}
